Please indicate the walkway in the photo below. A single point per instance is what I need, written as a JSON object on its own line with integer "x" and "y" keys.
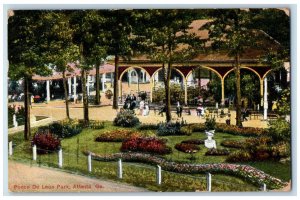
{"x": 56, "y": 110}
{"x": 25, "y": 178}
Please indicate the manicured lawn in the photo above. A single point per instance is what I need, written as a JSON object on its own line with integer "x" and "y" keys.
{"x": 144, "y": 175}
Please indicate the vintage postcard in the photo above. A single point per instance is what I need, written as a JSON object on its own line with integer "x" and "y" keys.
{"x": 149, "y": 100}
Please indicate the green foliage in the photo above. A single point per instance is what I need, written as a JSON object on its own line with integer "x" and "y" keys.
{"x": 280, "y": 130}
{"x": 210, "y": 124}
{"x": 96, "y": 124}
{"x": 143, "y": 127}
{"x": 239, "y": 156}
{"x": 177, "y": 94}
{"x": 170, "y": 128}
{"x": 126, "y": 118}
{"x": 284, "y": 102}
{"x": 66, "y": 128}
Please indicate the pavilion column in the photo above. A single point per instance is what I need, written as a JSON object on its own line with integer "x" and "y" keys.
{"x": 70, "y": 86}
{"x": 103, "y": 81}
{"x": 266, "y": 99}
{"x": 223, "y": 92}
{"x": 185, "y": 92}
{"x": 120, "y": 88}
{"x": 151, "y": 88}
{"x": 74, "y": 89}
{"x": 129, "y": 77}
{"x": 88, "y": 86}
{"x": 48, "y": 91}
{"x": 261, "y": 82}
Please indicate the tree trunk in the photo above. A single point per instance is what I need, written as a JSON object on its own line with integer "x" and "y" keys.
{"x": 115, "y": 96}
{"x": 27, "y": 99}
{"x": 84, "y": 97}
{"x": 167, "y": 78}
{"x": 238, "y": 91}
{"x": 97, "y": 97}
{"x": 66, "y": 95}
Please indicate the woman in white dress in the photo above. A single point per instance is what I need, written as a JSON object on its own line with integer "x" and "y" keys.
{"x": 142, "y": 104}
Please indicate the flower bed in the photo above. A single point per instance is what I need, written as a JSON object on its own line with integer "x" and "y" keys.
{"x": 246, "y": 172}
{"x": 45, "y": 141}
{"x": 96, "y": 124}
{"x": 116, "y": 135}
{"x": 187, "y": 147}
{"x": 217, "y": 152}
{"x": 193, "y": 141}
{"x": 231, "y": 129}
{"x": 148, "y": 145}
{"x": 232, "y": 144}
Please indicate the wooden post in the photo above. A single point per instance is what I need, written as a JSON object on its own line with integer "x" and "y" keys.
{"x": 223, "y": 92}
{"x": 34, "y": 152}
{"x": 10, "y": 148}
{"x": 158, "y": 175}
{"x": 208, "y": 182}
{"x": 185, "y": 92}
{"x": 120, "y": 173}
{"x": 90, "y": 162}
{"x": 265, "y": 99}
{"x": 60, "y": 158}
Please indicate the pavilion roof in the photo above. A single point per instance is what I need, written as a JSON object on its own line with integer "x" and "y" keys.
{"x": 74, "y": 71}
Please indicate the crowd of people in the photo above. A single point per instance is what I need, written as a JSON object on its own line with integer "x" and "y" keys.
{"x": 131, "y": 103}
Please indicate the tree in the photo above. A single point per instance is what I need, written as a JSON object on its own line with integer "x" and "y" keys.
{"x": 96, "y": 42}
{"x": 119, "y": 25}
{"x": 61, "y": 51}
{"x": 25, "y": 53}
{"x": 81, "y": 24}
{"x": 229, "y": 30}
{"x": 166, "y": 39}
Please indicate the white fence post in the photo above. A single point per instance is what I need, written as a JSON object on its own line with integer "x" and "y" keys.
{"x": 34, "y": 152}
{"x": 60, "y": 158}
{"x": 208, "y": 182}
{"x": 158, "y": 175}
{"x": 10, "y": 148}
{"x": 15, "y": 122}
{"x": 264, "y": 187}
{"x": 120, "y": 173}
{"x": 90, "y": 162}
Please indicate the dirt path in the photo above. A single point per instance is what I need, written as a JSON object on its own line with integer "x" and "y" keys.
{"x": 25, "y": 178}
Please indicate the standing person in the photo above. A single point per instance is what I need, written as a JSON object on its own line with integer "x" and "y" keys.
{"x": 142, "y": 105}
{"x": 178, "y": 109}
{"x": 146, "y": 110}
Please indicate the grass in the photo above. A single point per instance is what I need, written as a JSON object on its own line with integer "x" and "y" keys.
{"x": 144, "y": 175}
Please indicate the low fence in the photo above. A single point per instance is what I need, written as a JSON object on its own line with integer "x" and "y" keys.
{"x": 143, "y": 175}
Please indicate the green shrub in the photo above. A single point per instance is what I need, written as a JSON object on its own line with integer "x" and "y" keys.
{"x": 63, "y": 130}
{"x": 217, "y": 152}
{"x": 210, "y": 124}
{"x": 144, "y": 127}
{"x": 45, "y": 141}
{"x": 280, "y": 130}
{"x": 239, "y": 156}
{"x": 126, "y": 118}
{"x": 165, "y": 129}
